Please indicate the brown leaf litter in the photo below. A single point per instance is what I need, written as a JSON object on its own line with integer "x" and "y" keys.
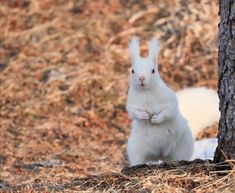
{"x": 64, "y": 69}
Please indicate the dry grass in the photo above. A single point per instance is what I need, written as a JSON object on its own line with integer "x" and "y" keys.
{"x": 64, "y": 69}
{"x": 198, "y": 176}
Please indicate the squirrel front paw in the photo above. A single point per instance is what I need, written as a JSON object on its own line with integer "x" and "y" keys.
{"x": 141, "y": 114}
{"x": 157, "y": 118}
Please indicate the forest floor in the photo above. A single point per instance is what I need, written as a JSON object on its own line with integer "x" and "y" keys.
{"x": 64, "y": 68}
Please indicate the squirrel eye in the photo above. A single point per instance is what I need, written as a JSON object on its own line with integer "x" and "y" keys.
{"x": 132, "y": 71}
{"x": 153, "y": 71}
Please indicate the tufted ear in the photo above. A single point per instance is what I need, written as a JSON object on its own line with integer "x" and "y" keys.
{"x": 134, "y": 48}
{"x": 154, "y": 50}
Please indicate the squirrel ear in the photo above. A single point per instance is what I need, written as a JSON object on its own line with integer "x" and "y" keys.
{"x": 134, "y": 48}
{"x": 154, "y": 50}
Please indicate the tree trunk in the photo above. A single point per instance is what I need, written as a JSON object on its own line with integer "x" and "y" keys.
{"x": 226, "y": 83}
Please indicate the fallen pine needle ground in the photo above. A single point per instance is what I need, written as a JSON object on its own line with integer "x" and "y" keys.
{"x": 64, "y": 68}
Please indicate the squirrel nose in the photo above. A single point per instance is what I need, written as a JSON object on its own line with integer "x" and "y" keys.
{"x": 141, "y": 78}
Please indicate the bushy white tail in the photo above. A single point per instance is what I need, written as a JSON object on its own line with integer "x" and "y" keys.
{"x": 200, "y": 106}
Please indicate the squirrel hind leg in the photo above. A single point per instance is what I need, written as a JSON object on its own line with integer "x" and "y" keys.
{"x": 183, "y": 149}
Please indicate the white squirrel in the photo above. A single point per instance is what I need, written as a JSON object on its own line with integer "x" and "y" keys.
{"x": 161, "y": 118}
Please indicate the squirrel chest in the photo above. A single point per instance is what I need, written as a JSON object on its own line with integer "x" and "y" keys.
{"x": 152, "y": 102}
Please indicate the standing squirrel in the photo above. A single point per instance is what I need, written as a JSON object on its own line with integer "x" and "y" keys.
{"x": 161, "y": 118}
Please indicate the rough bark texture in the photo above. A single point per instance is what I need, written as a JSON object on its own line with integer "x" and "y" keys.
{"x": 226, "y": 84}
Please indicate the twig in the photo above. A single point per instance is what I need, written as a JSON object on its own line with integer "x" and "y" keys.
{"x": 142, "y": 13}
{"x": 33, "y": 30}
{"x": 124, "y": 33}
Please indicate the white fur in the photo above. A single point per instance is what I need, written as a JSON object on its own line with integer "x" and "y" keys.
{"x": 159, "y": 131}
{"x": 192, "y": 101}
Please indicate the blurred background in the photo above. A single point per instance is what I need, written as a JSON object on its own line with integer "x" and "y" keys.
{"x": 64, "y": 67}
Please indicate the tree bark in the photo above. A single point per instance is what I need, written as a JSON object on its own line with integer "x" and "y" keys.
{"x": 226, "y": 83}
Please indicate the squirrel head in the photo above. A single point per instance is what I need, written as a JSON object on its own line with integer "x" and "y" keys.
{"x": 144, "y": 69}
